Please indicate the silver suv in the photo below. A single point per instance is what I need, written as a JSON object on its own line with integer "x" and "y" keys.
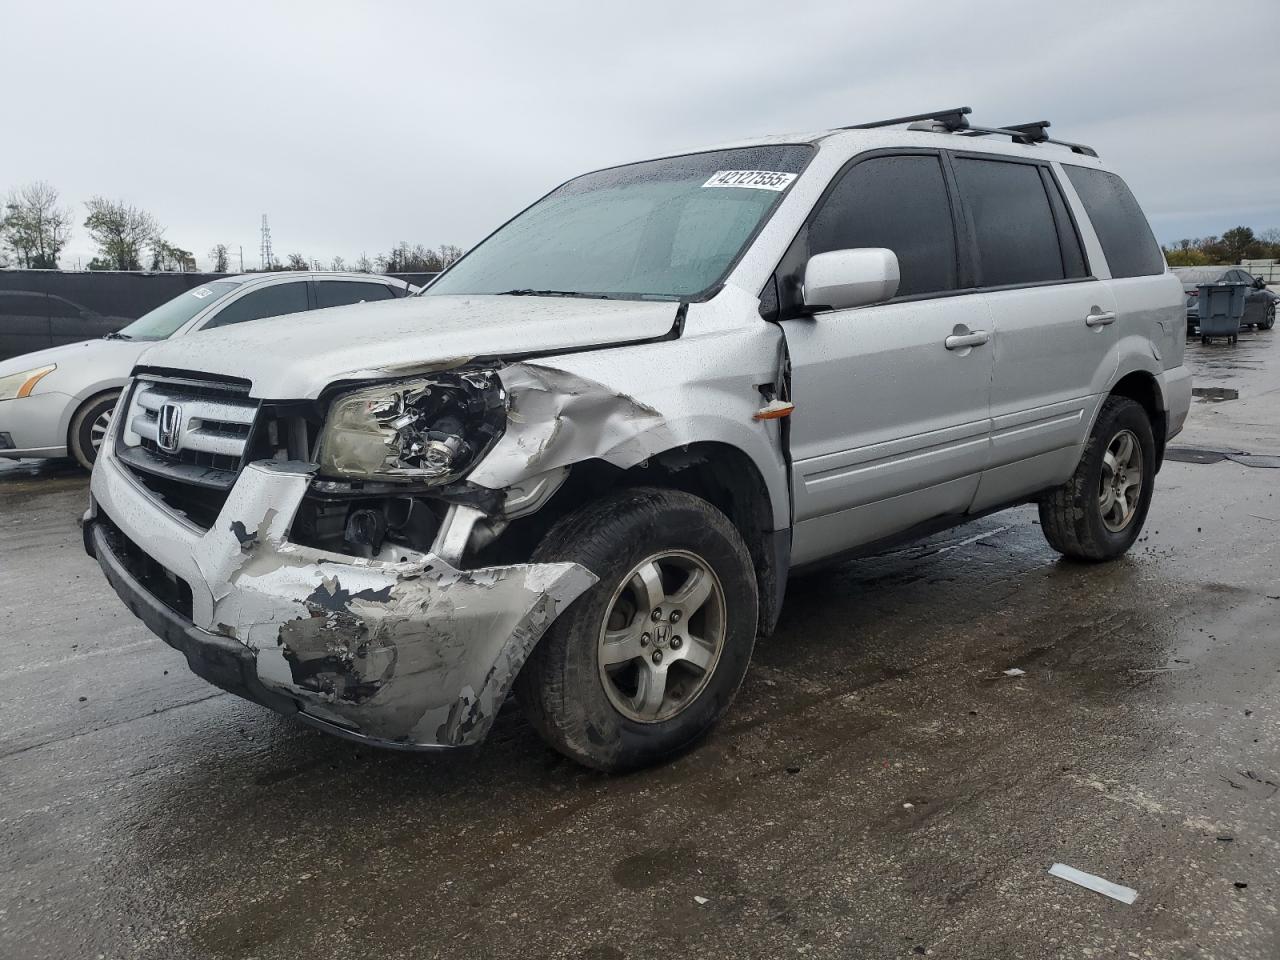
{"x": 581, "y": 464}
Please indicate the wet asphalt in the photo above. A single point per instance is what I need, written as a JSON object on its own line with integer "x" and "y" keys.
{"x": 880, "y": 788}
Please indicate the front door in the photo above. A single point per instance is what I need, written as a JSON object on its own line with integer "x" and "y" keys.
{"x": 891, "y": 426}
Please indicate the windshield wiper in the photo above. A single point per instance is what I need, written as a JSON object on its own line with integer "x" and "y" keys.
{"x": 117, "y": 335}
{"x": 527, "y": 292}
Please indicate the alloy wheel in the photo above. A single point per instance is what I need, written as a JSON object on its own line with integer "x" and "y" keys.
{"x": 663, "y": 634}
{"x": 1121, "y": 483}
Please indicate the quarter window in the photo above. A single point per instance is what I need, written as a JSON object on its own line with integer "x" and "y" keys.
{"x": 1123, "y": 231}
{"x": 340, "y": 293}
{"x": 899, "y": 203}
{"x": 272, "y": 301}
{"x": 1012, "y": 222}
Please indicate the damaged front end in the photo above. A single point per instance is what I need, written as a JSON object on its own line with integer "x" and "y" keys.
{"x": 337, "y": 585}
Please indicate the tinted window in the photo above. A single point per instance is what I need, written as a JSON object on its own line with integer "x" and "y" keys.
{"x": 268, "y": 302}
{"x": 339, "y": 293}
{"x": 899, "y": 203}
{"x": 1073, "y": 261}
{"x": 24, "y": 305}
{"x": 1126, "y": 238}
{"x": 1012, "y": 222}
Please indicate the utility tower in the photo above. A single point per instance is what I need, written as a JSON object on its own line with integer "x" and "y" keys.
{"x": 267, "y": 258}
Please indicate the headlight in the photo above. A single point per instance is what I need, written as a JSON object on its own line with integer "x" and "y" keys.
{"x": 18, "y": 385}
{"x": 431, "y": 429}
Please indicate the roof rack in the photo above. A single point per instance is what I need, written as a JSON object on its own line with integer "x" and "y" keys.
{"x": 1030, "y": 133}
{"x": 953, "y": 119}
{"x": 956, "y": 120}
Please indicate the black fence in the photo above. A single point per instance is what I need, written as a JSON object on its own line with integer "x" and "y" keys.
{"x": 46, "y": 308}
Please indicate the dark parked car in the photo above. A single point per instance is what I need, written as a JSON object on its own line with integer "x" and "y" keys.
{"x": 1259, "y": 306}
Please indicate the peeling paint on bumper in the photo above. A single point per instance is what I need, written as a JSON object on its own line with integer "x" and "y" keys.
{"x": 406, "y": 654}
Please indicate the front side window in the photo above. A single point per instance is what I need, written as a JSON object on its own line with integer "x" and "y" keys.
{"x": 273, "y": 301}
{"x": 340, "y": 293}
{"x": 169, "y": 317}
{"x": 1012, "y": 222}
{"x": 1127, "y": 241}
{"x": 664, "y": 229}
{"x": 899, "y": 203}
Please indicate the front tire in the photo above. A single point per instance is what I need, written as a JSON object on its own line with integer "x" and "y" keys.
{"x": 89, "y": 428}
{"x": 646, "y": 661}
{"x": 1099, "y": 512}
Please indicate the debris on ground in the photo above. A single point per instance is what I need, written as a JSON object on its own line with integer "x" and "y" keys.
{"x": 1095, "y": 883}
{"x": 1216, "y": 393}
{"x": 1014, "y": 672}
{"x": 1207, "y": 455}
{"x": 701, "y": 901}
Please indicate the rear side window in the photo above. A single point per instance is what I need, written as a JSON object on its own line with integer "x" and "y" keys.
{"x": 271, "y": 301}
{"x": 1126, "y": 238}
{"x": 340, "y": 293}
{"x": 899, "y": 203}
{"x": 1013, "y": 222}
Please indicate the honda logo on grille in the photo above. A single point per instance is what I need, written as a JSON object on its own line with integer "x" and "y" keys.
{"x": 169, "y": 427}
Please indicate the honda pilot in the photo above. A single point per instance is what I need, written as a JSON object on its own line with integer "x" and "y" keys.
{"x": 580, "y": 466}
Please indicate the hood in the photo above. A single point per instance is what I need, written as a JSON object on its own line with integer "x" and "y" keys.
{"x": 297, "y": 356}
{"x": 71, "y": 356}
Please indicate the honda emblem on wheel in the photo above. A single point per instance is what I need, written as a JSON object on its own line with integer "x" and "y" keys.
{"x": 169, "y": 427}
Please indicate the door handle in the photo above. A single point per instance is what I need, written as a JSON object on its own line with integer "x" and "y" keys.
{"x": 958, "y": 341}
{"x": 1101, "y": 319}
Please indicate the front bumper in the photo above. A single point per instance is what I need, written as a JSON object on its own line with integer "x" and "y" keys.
{"x": 36, "y": 425}
{"x": 411, "y": 654}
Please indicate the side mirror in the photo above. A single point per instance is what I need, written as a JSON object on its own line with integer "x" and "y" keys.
{"x": 850, "y": 278}
{"x": 1259, "y": 283}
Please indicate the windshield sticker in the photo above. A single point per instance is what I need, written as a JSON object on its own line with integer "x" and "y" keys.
{"x": 755, "y": 179}
{"x": 201, "y": 293}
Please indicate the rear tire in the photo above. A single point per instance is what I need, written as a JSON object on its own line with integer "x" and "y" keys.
{"x": 89, "y": 428}
{"x": 639, "y": 667}
{"x": 1096, "y": 515}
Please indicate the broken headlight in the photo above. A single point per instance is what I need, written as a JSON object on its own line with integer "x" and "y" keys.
{"x": 429, "y": 429}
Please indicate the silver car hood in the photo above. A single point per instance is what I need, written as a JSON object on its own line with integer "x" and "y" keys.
{"x": 297, "y": 356}
{"x": 86, "y": 361}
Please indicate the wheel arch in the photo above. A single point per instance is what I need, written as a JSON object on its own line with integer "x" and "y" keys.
{"x": 1144, "y": 389}
{"x": 74, "y": 409}
{"x": 722, "y": 474}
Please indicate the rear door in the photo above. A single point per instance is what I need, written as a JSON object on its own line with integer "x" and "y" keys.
{"x": 1055, "y": 333}
{"x": 891, "y": 425}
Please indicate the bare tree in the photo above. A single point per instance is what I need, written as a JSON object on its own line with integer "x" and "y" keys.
{"x": 448, "y": 254}
{"x": 298, "y": 262}
{"x": 219, "y": 257}
{"x": 364, "y": 264}
{"x": 337, "y": 264}
{"x": 120, "y": 231}
{"x": 34, "y": 227}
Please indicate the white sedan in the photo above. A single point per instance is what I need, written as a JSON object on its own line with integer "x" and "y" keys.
{"x": 58, "y": 402}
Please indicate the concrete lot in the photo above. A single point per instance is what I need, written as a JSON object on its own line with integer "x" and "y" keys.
{"x": 880, "y": 789}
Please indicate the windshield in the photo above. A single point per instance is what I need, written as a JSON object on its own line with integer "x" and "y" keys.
{"x": 664, "y": 229}
{"x": 161, "y": 322}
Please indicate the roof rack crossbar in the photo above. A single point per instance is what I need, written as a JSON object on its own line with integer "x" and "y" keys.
{"x": 1029, "y": 133}
{"x": 955, "y": 118}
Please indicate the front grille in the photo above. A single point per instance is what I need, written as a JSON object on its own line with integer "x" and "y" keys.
{"x": 210, "y": 432}
{"x": 159, "y": 581}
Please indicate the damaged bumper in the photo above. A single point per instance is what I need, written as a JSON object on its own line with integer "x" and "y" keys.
{"x": 409, "y": 654}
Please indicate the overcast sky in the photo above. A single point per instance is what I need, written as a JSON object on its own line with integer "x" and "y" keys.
{"x": 356, "y": 125}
